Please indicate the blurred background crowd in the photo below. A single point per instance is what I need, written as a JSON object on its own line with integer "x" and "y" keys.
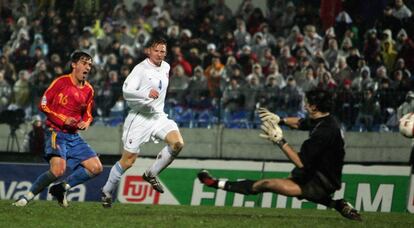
{"x": 224, "y": 63}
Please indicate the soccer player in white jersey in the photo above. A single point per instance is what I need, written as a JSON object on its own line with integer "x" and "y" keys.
{"x": 144, "y": 90}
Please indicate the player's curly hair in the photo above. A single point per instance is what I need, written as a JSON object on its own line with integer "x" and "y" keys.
{"x": 77, "y": 55}
{"x": 322, "y": 99}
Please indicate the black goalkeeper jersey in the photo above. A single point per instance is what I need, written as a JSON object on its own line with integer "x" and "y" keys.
{"x": 323, "y": 151}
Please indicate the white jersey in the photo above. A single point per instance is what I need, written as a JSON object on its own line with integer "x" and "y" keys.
{"x": 144, "y": 77}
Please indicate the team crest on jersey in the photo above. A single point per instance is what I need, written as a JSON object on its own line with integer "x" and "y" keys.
{"x": 44, "y": 100}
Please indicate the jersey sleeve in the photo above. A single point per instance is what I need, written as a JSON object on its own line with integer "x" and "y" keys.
{"x": 46, "y": 104}
{"x": 87, "y": 116}
{"x": 134, "y": 91}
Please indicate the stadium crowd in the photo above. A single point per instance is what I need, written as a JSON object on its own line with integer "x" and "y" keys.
{"x": 225, "y": 63}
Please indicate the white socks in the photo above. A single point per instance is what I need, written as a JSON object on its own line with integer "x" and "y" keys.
{"x": 113, "y": 179}
{"x": 164, "y": 158}
{"x": 221, "y": 184}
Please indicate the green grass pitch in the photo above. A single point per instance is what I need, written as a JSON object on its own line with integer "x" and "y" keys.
{"x": 91, "y": 214}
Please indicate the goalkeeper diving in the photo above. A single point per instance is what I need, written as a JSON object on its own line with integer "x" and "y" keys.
{"x": 318, "y": 164}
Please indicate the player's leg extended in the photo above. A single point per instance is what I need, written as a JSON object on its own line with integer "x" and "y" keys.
{"x": 89, "y": 169}
{"x": 57, "y": 169}
{"x": 281, "y": 186}
{"x": 126, "y": 161}
{"x": 175, "y": 144}
{"x": 54, "y": 150}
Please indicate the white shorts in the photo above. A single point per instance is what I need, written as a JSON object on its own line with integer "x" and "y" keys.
{"x": 139, "y": 129}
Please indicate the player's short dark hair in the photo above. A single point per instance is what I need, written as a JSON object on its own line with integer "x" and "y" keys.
{"x": 156, "y": 41}
{"x": 77, "y": 55}
{"x": 322, "y": 99}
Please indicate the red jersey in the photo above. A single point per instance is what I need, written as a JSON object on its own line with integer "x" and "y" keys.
{"x": 65, "y": 99}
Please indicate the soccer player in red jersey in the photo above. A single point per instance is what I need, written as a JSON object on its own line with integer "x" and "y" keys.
{"x": 67, "y": 104}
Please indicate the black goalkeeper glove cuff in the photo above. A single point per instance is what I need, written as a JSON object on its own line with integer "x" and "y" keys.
{"x": 282, "y": 122}
{"x": 281, "y": 143}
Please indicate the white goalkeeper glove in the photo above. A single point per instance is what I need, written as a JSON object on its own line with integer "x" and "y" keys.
{"x": 273, "y": 133}
{"x": 266, "y": 115}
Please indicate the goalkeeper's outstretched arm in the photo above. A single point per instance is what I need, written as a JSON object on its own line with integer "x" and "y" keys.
{"x": 291, "y": 154}
{"x": 292, "y": 122}
{"x": 273, "y": 132}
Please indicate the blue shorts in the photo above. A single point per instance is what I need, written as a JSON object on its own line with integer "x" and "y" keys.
{"x": 68, "y": 146}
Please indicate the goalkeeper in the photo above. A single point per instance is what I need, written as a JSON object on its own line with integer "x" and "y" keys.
{"x": 318, "y": 165}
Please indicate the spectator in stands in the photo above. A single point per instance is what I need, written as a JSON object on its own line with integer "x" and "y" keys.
{"x": 197, "y": 94}
{"x": 39, "y": 43}
{"x": 293, "y": 97}
{"x": 220, "y": 9}
{"x": 106, "y": 93}
{"x": 331, "y": 53}
{"x": 313, "y": 41}
{"x": 194, "y": 58}
{"x": 342, "y": 71}
{"x": 251, "y": 93}
{"x": 406, "y": 49}
{"x": 5, "y": 92}
{"x": 40, "y": 80}
{"x": 287, "y": 18}
{"x": 363, "y": 80}
{"x": 346, "y": 47}
{"x": 256, "y": 73}
{"x": 268, "y": 35}
{"x": 274, "y": 72}
{"x": 241, "y": 36}
{"x": 214, "y": 74}
{"x": 255, "y": 19}
{"x": 233, "y": 99}
{"x": 179, "y": 60}
{"x": 389, "y": 55}
{"x": 387, "y": 100}
{"x": 246, "y": 58}
{"x": 353, "y": 58}
{"x": 21, "y": 91}
{"x": 9, "y": 70}
{"x": 388, "y": 21}
{"x": 258, "y": 44}
{"x": 211, "y": 53}
{"x": 22, "y": 60}
{"x": 237, "y": 74}
{"x": 327, "y": 82}
{"x": 369, "y": 110}
{"x": 266, "y": 60}
{"x": 400, "y": 10}
{"x": 34, "y": 141}
{"x": 300, "y": 73}
{"x": 400, "y": 83}
{"x": 271, "y": 95}
{"x": 177, "y": 87}
{"x": 310, "y": 82}
{"x": 125, "y": 36}
{"x": 400, "y": 65}
{"x": 346, "y": 104}
{"x": 372, "y": 46}
{"x": 244, "y": 10}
